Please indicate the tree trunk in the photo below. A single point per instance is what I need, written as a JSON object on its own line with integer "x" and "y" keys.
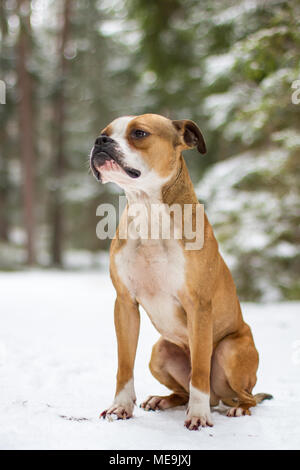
{"x": 4, "y": 179}
{"x": 26, "y": 131}
{"x": 59, "y": 121}
{"x": 4, "y": 187}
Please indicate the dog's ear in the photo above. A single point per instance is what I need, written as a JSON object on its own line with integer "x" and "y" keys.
{"x": 190, "y": 135}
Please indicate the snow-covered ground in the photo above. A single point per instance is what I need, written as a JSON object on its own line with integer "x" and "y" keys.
{"x": 58, "y": 367}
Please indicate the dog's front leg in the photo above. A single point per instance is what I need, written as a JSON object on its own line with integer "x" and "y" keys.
{"x": 127, "y": 325}
{"x": 201, "y": 345}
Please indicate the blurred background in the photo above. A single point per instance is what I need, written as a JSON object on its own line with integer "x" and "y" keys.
{"x": 71, "y": 66}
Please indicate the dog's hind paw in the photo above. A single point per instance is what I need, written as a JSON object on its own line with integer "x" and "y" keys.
{"x": 235, "y": 412}
{"x": 154, "y": 403}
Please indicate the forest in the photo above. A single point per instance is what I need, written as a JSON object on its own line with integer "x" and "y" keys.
{"x": 68, "y": 67}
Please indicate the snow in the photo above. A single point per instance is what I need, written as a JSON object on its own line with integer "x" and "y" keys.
{"x": 218, "y": 187}
{"x": 219, "y": 105}
{"x": 58, "y": 367}
{"x": 236, "y": 11}
{"x": 217, "y": 66}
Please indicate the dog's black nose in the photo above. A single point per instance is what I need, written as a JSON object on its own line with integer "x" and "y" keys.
{"x": 103, "y": 139}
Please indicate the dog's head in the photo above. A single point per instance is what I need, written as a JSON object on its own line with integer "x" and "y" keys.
{"x": 139, "y": 152}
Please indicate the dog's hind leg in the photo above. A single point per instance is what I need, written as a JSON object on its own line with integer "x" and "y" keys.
{"x": 234, "y": 367}
{"x": 170, "y": 366}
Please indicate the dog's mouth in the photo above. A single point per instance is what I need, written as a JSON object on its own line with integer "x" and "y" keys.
{"x": 103, "y": 161}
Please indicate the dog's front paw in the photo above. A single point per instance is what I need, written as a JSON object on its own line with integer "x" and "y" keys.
{"x": 198, "y": 412}
{"x": 196, "y": 420}
{"x": 197, "y": 417}
{"x": 118, "y": 411}
{"x": 193, "y": 423}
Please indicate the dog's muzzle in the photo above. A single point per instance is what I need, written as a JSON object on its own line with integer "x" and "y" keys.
{"x": 106, "y": 149}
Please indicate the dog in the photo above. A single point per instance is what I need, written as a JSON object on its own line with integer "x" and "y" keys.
{"x": 206, "y": 353}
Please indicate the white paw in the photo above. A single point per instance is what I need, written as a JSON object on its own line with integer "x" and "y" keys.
{"x": 198, "y": 412}
{"x": 122, "y": 407}
{"x": 195, "y": 420}
{"x": 118, "y": 411}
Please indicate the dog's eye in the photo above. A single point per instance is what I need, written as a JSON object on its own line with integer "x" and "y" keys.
{"x": 139, "y": 134}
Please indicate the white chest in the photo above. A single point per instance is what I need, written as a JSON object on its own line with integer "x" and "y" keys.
{"x": 153, "y": 272}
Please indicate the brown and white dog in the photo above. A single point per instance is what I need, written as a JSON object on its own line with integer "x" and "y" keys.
{"x": 206, "y": 351}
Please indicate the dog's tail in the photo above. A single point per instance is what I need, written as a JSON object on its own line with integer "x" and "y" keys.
{"x": 259, "y": 397}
